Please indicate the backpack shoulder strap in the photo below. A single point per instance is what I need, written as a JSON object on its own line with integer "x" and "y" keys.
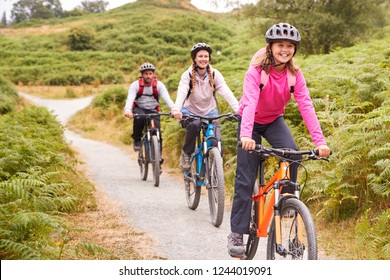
{"x": 291, "y": 80}
{"x": 141, "y": 84}
{"x": 154, "y": 87}
{"x": 264, "y": 77}
{"x": 190, "y": 88}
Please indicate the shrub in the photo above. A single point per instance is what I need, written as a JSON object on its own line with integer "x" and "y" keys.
{"x": 112, "y": 96}
{"x": 80, "y": 39}
{"x": 8, "y": 96}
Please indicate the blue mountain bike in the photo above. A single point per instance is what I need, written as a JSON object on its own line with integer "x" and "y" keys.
{"x": 207, "y": 169}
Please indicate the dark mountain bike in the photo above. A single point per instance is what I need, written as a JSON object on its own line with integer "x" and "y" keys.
{"x": 150, "y": 151}
{"x": 207, "y": 169}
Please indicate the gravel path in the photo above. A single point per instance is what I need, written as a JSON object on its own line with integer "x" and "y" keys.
{"x": 179, "y": 233}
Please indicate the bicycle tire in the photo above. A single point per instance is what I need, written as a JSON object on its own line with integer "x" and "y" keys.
{"x": 252, "y": 240}
{"x": 155, "y": 160}
{"x": 216, "y": 187}
{"x": 143, "y": 162}
{"x": 192, "y": 190}
{"x": 303, "y": 248}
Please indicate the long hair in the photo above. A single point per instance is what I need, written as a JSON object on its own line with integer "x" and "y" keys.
{"x": 266, "y": 59}
{"x": 193, "y": 78}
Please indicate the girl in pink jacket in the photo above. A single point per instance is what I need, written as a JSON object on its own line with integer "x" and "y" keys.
{"x": 261, "y": 115}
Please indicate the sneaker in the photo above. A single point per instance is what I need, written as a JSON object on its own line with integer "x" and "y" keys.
{"x": 161, "y": 162}
{"x": 235, "y": 245}
{"x": 137, "y": 145}
{"x": 185, "y": 164}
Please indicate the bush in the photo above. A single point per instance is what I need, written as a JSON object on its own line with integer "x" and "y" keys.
{"x": 112, "y": 96}
{"x": 37, "y": 184}
{"x": 80, "y": 39}
{"x": 8, "y": 96}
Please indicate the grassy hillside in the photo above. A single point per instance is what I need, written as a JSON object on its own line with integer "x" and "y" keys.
{"x": 350, "y": 89}
{"x": 119, "y": 41}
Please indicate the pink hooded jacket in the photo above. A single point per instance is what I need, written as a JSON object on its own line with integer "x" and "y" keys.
{"x": 267, "y": 106}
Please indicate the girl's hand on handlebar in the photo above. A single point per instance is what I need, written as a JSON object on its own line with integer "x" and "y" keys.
{"x": 247, "y": 143}
{"x": 176, "y": 114}
{"x": 129, "y": 115}
{"x": 323, "y": 151}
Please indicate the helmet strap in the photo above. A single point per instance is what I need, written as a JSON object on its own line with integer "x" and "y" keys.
{"x": 201, "y": 68}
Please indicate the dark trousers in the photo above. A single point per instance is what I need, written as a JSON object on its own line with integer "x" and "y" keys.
{"x": 139, "y": 123}
{"x": 278, "y": 135}
{"x": 193, "y": 127}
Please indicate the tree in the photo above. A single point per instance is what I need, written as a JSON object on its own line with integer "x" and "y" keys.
{"x": 28, "y": 9}
{"x": 4, "y": 19}
{"x": 94, "y": 6}
{"x": 324, "y": 24}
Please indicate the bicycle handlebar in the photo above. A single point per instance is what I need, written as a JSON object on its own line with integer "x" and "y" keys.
{"x": 268, "y": 151}
{"x": 150, "y": 115}
{"x": 229, "y": 116}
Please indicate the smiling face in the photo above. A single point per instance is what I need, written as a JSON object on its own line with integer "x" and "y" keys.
{"x": 148, "y": 77}
{"x": 282, "y": 51}
{"x": 202, "y": 59}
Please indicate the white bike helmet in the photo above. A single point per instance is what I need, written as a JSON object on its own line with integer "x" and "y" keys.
{"x": 147, "y": 66}
{"x": 200, "y": 46}
{"x": 282, "y": 31}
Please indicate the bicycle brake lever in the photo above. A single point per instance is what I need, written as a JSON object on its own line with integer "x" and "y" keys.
{"x": 314, "y": 157}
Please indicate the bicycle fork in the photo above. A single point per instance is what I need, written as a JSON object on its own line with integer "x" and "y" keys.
{"x": 280, "y": 249}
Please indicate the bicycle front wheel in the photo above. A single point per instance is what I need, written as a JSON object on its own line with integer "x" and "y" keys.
{"x": 216, "y": 187}
{"x": 192, "y": 190}
{"x": 299, "y": 241}
{"x": 143, "y": 160}
{"x": 251, "y": 241}
{"x": 155, "y": 152}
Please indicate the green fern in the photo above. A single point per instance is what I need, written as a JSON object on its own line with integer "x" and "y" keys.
{"x": 17, "y": 251}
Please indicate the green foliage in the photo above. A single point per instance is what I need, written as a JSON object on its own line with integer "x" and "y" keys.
{"x": 8, "y": 96}
{"x": 372, "y": 236}
{"x": 354, "y": 113}
{"x": 38, "y": 184}
{"x": 331, "y": 24}
{"x": 115, "y": 96}
{"x": 349, "y": 88}
{"x": 80, "y": 39}
{"x": 30, "y": 138}
{"x": 94, "y": 6}
{"x": 29, "y": 9}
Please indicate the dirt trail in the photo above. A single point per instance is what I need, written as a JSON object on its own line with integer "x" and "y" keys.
{"x": 179, "y": 233}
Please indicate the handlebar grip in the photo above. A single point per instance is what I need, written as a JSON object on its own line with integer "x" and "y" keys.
{"x": 316, "y": 152}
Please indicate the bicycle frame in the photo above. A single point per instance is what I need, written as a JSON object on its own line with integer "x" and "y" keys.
{"x": 149, "y": 130}
{"x": 207, "y": 134}
{"x": 150, "y": 151}
{"x": 281, "y": 176}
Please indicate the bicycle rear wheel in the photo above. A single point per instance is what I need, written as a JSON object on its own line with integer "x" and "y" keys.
{"x": 216, "y": 187}
{"x": 299, "y": 241}
{"x": 155, "y": 152}
{"x": 192, "y": 190}
{"x": 143, "y": 160}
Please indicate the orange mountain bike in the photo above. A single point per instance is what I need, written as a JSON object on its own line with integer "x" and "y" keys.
{"x": 291, "y": 234}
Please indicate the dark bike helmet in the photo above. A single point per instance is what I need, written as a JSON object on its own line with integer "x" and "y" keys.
{"x": 282, "y": 31}
{"x": 147, "y": 66}
{"x": 200, "y": 46}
